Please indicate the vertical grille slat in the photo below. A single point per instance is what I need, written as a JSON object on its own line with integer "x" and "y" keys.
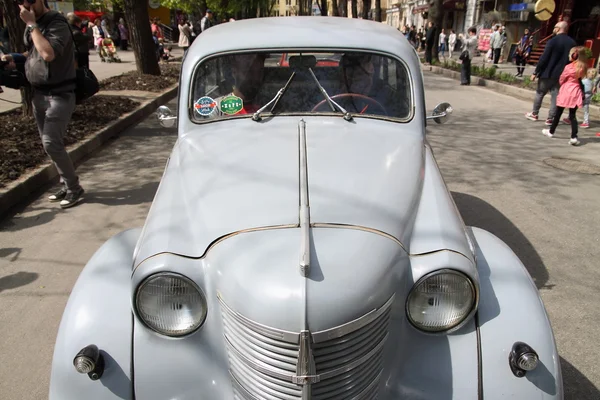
{"x": 263, "y": 361}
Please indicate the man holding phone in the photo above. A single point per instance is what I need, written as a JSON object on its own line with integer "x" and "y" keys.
{"x": 50, "y": 69}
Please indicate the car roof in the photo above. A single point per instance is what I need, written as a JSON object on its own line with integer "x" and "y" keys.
{"x": 301, "y": 32}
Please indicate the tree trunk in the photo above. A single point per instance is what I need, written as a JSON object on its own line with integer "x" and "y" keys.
{"x": 366, "y": 7}
{"x": 436, "y": 14}
{"x": 378, "y": 10}
{"x": 324, "y": 8}
{"x": 335, "y": 11}
{"x": 141, "y": 38}
{"x": 354, "y": 8}
{"x": 16, "y": 28}
{"x": 343, "y": 8}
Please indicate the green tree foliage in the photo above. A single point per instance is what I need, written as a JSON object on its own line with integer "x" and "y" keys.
{"x": 187, "y": 6}
{"x": 222, "y": 8}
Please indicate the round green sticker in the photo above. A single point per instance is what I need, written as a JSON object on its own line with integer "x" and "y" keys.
{"x": 231, "y": 105}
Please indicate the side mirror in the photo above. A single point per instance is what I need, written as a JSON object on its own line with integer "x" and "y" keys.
{"x": 165, "y": 117}
{"x": 441, "y": 113}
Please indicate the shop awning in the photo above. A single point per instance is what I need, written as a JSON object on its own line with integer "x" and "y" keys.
{"x": 420, "y": 9}
{"x": 89, "y": 15}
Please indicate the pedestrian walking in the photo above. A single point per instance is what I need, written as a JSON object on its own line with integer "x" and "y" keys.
{"x": 588, "y": 91}
{"x": 82, "y": 42}
{"x": 548, "y": 70}
{"x": 523, "y": 52}
{"x": 156, "y": 28}
{"x": 496, "y": 42}
{"x": 185, "y": 35}
{"x": 469, "y": 46}
{"x": 429, "y": 42}
{"x": 451, "y": 42}
{"x": 412, "y": 37}
{"x": 124, "y": 34}
{"x": 422, "y": 39}
{"x": 207, "y": 21}
{"x": 442, "y": 44}
{"x": 570, "y": 94}
{"x": 99, "y": 35}
{"x": 50, "y": 69}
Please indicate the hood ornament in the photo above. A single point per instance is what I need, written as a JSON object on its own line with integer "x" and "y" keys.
{"x": 304, "y": 203}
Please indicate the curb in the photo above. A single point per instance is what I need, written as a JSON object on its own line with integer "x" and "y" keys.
{"x": 523, "y": 94}
{"x": 16, "y": 191}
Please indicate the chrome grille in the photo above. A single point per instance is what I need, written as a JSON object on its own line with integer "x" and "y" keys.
{"x": 263, "y": 361}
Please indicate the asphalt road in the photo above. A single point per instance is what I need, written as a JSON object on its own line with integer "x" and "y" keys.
{"x": 491, "y": 157}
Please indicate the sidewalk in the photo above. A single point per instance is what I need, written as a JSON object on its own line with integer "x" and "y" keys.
{"x": 100, "y": 69}
{"x": 479, "y": 61}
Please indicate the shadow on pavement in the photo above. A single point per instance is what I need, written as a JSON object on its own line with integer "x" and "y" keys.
{"x": 478, "y": 213}
{"x": 16, "y": 280}
{"x": 13, "y": 252}
{"x": 577, "y": 386}
{"x": 16, "y": 221}
{"x": 143, "y": 194}
{"x": 588, "y": 140}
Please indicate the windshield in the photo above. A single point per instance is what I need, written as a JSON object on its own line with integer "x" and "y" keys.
{"x": 359, "y": 83}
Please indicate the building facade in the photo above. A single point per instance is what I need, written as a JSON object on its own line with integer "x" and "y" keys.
{"x": 285, "y": 8}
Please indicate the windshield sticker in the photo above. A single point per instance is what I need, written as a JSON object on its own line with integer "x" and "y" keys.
{"x": 205, "y": 106}
{"x": 231, "y": 105}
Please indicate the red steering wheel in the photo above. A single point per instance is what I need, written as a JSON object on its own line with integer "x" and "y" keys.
{"x": 367, "y": 99}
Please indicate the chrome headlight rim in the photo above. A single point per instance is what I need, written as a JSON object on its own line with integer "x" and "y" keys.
{"x": 189, "y": 281}
{"x": 454, "y": 328}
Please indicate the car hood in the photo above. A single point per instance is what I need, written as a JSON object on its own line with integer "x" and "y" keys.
{"x": 234, "y": 176}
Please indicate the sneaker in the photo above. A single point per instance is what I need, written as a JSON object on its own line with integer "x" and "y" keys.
{"x": 531, "y": 116}
{"x": 574, "y": 141}
{"x": 546, "y": 132}
{"x": 584, "y": 125}
{"x": 58, "y": 196}
{"x": 72, "y": 198}
{"x": 548, "y": 122}
{"x": 566, "y": 121}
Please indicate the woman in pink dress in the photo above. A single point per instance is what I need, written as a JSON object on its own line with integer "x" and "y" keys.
{"x": 570, "y": 94}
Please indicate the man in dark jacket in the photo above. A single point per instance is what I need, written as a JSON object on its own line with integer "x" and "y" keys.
{"x": 429, "y": 42}
{"x": 82, "y": 41}
{"x": 548, "y": 70}
{"x": 50, "y": 69}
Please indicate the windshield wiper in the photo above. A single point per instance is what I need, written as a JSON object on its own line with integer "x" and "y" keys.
{"x": 274, "y": 100}
{"x": 334, "y": 106}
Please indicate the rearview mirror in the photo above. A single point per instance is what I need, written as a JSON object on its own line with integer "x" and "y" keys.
{"x": 441, "y": 113}
{"x": 302, "y": 63}
{"x": 165, "y": 116}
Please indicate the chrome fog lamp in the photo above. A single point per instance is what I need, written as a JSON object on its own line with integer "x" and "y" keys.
{"x": 170, "y": 304}
{"x": 441, "y": 301}
{"x": 522, "y": 358}
{"x": 89, "y": 361}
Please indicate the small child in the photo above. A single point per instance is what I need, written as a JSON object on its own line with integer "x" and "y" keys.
{"x": 570, "y": 95}
{"x": 588, "y": 86}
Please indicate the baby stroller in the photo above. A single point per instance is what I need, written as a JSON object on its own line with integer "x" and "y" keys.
{"x": 108, "y": 51}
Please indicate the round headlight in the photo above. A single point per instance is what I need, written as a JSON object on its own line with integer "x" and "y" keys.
{"x": 171, "y": 304}
{"x": 440, "y": 301}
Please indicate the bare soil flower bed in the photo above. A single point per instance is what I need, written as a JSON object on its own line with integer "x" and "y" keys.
{"x": 149, "y": 83}
{"x": 20, "y": 144}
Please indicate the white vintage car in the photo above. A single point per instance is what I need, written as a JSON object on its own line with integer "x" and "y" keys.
{"x": 302, "y": 243}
